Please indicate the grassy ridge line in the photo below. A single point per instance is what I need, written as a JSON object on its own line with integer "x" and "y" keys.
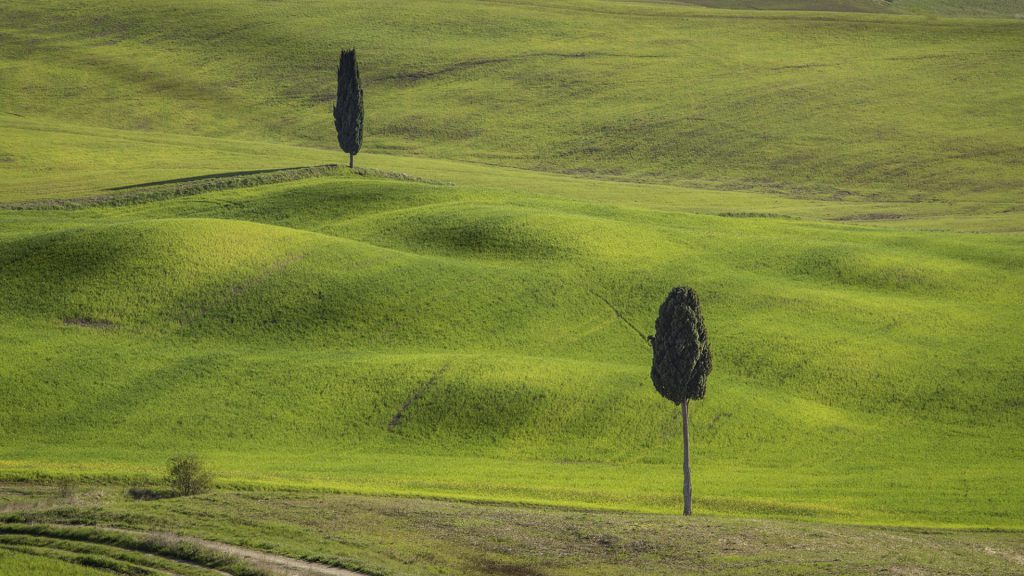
{"x": 962, "y": 214}
{"x": 85, "y": 154}
{"x": 61, "y": 160}
{"x": 137, "y": 194}
{"x": 151, "y": 192}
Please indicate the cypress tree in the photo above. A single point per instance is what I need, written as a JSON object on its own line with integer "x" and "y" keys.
{"x": 348, "y": 108}
{"x": 682, "y": 362}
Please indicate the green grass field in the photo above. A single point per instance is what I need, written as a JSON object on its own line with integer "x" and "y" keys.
{"x": 384, "y": 536}
{"x": 844, "y": 190}
{"x": 30, "y": 565}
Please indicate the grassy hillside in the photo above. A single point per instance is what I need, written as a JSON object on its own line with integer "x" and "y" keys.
{"x": 471, "y": 335}
{"x": 384, "y": 336}
{"x": 50, "y": 160}
{"x": 811, "y": 104}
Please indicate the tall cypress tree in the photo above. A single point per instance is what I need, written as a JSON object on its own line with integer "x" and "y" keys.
{"x": 682, "y": 362}
{"x": 348, "y": 109}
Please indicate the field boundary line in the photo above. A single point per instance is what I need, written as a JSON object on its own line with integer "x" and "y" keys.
{"x": 166, "y": 189}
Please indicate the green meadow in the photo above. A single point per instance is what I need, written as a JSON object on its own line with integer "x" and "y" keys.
{"x": 814, "y": 104}
{"x": 463, "y": 319}
{"x": 32, "y": 565}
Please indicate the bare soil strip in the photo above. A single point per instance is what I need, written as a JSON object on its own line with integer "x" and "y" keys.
{"x": 276, "y": 563}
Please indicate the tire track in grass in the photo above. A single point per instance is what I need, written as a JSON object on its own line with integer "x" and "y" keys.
{"x": 396, "y": 420}
{"x": 274, "y": 563}
{"x": 643, "y": 337}
{"x": 253, "y": 561}
{"x": 98, "y": 561}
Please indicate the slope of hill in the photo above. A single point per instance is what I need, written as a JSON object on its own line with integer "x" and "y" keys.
{"x": 375, "y": 335}
{"x": 810, "y": 104}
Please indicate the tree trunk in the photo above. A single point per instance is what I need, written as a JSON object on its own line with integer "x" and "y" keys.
{"x": 686, "y": 458}
{"x": 351, "y": 160}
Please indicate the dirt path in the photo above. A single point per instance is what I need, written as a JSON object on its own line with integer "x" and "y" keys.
{"x": 1008, "y": 556}
{"x": 276, "y": 563}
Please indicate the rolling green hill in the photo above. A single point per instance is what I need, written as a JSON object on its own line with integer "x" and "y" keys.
{"x": 802, "y": 103}
{"x": 844, "y": 191}
{"x": 376, "y": 335}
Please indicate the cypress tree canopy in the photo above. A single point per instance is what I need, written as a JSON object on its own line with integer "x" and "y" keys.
{"x": 348, "y": 109}
{"x": 682, "y": 355}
